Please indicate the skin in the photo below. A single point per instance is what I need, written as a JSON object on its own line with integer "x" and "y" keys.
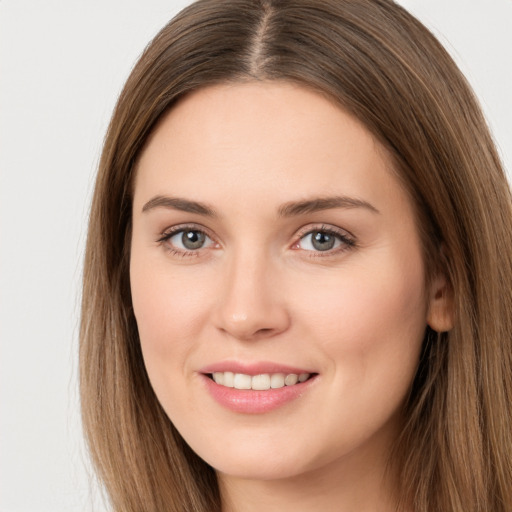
{"x": 258, "y": 290}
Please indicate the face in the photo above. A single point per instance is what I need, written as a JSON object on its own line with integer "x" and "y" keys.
{"x": 277, "y": 280}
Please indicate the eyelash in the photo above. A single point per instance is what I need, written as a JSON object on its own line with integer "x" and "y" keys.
{"x": 169, "y": 233}
{"x": 347, "y": 240}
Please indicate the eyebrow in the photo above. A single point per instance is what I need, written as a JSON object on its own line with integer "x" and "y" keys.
{"x": 291, "y": 209}
{"x": 323, "y": 203}
{"x": 178, "y": 203}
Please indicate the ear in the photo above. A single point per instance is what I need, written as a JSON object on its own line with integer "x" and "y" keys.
{"x": 440, "y": 316}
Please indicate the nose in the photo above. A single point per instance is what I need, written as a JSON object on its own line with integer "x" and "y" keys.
{"x": 251, "y": 304}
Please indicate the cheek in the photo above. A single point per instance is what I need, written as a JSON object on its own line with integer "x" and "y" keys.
{"x": 371, "y": 319}
{"x": 370, "y": 325}
{"x": 168, "y": 308}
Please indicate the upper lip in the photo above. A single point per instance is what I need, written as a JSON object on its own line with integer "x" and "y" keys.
{"x": 252, "y": 368}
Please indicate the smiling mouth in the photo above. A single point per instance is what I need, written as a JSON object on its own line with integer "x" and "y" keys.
{"x": 260, "y": 382}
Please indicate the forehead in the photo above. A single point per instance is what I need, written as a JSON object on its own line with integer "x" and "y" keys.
{"x": 274, "y": 139}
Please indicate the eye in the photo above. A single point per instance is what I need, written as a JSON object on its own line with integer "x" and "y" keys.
{"x": 324, "y": 240}
{"x": 184, "y": 240}
{"x": 189, "y": 239}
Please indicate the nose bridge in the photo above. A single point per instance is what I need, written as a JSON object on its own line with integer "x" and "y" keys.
{"x": 250, "y": 305}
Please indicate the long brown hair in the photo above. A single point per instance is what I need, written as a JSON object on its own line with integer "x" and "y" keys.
{"x": 383, "y": 66}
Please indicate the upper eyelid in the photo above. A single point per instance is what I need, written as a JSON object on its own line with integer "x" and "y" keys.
{"x": 329, "y": 228}
{"x": 172, "y": 230}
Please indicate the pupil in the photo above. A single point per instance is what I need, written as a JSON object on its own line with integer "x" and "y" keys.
{"x": 193, "y": 239}
{"x": 322, "y": 241}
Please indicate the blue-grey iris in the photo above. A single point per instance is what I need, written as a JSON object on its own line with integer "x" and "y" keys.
{"x": 193, "y": 239}
{"x": 322, "y": 241}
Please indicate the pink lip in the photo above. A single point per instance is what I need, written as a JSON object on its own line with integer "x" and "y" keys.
{"x": 250, "y": 401}
{"x": 252, "y": 368}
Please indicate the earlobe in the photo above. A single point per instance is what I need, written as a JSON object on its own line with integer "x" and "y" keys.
{"x": 440, "y": 316}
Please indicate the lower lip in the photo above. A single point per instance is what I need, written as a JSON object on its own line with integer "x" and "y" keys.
{"x": 249, "y": 401}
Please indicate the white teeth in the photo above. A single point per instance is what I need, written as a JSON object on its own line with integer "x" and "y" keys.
{"x": 261, "y": 382}
{"x": 229, "y": 379}
{"x": 291, "y": 379}
{"x": 242, "y": 381}
{"x": 218, "y": 377}
{"x": 258, "y": 382}
{"x": 277, "y": 380}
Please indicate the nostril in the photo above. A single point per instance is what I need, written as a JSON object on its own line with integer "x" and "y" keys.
{"x": 265, "y": 330}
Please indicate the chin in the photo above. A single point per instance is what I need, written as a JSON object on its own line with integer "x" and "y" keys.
{"x": 264, "y": 458}
{"x": 259, "y": 468}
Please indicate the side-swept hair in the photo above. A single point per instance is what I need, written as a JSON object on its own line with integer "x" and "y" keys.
{"x": 380, "y": 64}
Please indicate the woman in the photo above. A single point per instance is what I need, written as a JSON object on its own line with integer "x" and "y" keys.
{"x": 297, "y": 286}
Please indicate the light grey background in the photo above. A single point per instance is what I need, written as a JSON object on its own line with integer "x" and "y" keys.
{"x": 62, "y": 65}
